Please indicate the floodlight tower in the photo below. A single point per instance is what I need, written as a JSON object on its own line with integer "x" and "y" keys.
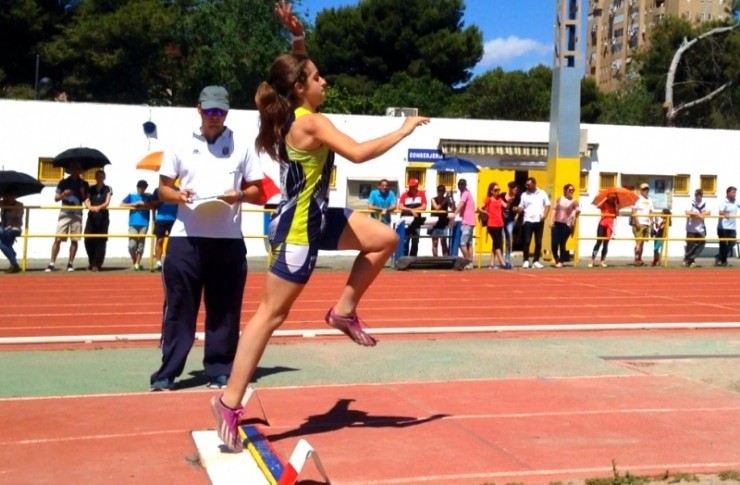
{"x": 564, "y": 159}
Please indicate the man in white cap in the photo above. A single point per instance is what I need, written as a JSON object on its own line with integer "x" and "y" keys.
{"x": 641, "y": 221}
{"x": 217, "y": 170}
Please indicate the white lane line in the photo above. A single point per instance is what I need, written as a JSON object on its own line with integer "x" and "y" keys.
{"x": 323, "y": 332}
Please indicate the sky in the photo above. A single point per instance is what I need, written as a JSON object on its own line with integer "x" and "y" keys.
{"x": 517, "y": 34}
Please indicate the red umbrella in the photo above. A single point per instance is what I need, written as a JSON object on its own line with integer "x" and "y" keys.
{"x": 624, "y": 197}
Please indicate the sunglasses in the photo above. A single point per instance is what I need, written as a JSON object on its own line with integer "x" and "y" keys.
{"x": 214, "y": 112}
{"x": 497, "y": 190}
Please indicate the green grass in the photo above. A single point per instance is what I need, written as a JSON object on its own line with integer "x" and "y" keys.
{"x": 629, "y": 479}
{"x": 618, "y": 479}
{"x": 729, "y": 475}
{"x": 683, "y": 477}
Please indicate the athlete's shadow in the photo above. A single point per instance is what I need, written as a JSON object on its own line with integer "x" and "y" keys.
{"x": 198, "y": 378}
{"x": 341, "y": 416}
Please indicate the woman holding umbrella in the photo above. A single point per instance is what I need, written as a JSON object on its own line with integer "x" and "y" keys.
{"x": 98, "y": 199}
{"x": 11, "y": 221}
{"x": 609, "y": 202}
{"x": 13, "y": 185}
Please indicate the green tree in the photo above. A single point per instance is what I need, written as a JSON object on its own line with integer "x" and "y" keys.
{"x": 631, "y": 105}
{"x": 364, "y": 46}
{"x": 497, "y": 94}
{"x": 707, "y": 70}
{"x": 149, "y": 51}
{"x": 115, "y": 51}
{"x": 339, "y": 101}
{"x": 23, "y": 25}
{"x": 227, "y": 42}
{"x": 427, "y": 94}
{"x": 591, "y": 99}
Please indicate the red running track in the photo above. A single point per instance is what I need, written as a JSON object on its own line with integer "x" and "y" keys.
{"x": 531, "y": 430}
{"x": 110, "y": 304}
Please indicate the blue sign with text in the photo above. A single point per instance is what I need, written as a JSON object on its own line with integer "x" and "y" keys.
{"x": 424, "y": 155}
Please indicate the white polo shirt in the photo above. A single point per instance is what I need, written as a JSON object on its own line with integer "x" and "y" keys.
{"x": 643, "y": 208}
{"x": 211, "y": 170}
{"x": 533, "y": 204}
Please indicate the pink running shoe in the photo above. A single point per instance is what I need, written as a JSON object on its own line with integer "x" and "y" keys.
{"x": 227, "y": 422}
{"x": 351, "y": 327}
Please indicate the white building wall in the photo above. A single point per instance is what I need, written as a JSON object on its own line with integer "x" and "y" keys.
{"x": 30, "y": 130}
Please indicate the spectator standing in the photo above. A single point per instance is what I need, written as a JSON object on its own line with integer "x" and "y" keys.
{"x": 726, "y": 226}
{"x": 382, "y": 202}
{"x": 493, "y": 208}
{"x": 466, "y": 209}
{"x": 412, "y": 203}
{"x": 642, "y": 219}
{"x": 696, "y": 229}
{"x": 71, "y": 191}
{"x": 535, "y": 207}
{"x": 11, "y": 226}
{"x": 511, "y": 200}
{"x": 659, "y": 233}
{"x": 138, "y": 221}
{"x": 98, "y": 220}
{"x": 206, "y": 254}
{"x": 444, "y": 204}
{"x": 562, "y": 219}
{"x": 166, "y": 213}
{"x": 605, "y": 229}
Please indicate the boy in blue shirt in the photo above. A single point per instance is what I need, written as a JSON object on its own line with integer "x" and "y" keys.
{"x": 163, "y": 221}
{"x": 138, "y": 221}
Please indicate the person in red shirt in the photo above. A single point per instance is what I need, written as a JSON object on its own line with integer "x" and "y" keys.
{"x": 493, "y": 208}
{"x": 605, "y": 229}
{"x": 412, "y": 203}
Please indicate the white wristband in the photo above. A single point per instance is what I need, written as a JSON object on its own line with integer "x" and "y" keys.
{"x": 294, "y": 38}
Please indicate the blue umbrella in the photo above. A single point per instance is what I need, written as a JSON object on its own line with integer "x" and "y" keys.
{"x": 454, "y": 164}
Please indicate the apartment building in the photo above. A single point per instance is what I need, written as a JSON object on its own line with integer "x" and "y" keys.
{"x": 617, "y": 28}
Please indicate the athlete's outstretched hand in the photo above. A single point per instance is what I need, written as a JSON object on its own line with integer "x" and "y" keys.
{"x": 284, "y": 12}
{"x": 410, "y": 124}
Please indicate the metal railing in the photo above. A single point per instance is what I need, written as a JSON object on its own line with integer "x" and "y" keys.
{"x": 666, "y": 239}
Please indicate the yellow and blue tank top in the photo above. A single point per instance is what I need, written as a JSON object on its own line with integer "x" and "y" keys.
{"x": 304, "y": 178}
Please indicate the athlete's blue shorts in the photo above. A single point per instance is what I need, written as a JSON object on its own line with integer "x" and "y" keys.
{"x": 296, "y": 262}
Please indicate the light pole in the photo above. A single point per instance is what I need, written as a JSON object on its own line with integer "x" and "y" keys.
{"x": 36, "y": 83}
{"x": 44, "y": 81}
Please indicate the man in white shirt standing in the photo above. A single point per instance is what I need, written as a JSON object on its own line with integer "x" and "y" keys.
{"x": 206, "y": 255}
{"x": 535, "y": 205}
{"x": 696, "y": 230}
{"x": 641, "y": 221}
{"x": 726, "y": 226}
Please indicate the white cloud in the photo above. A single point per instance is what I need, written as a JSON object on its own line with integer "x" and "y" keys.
{"x": 501, "y": 51}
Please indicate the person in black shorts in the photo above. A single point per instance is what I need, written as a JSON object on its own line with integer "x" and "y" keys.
{"x": 163, "y": 221}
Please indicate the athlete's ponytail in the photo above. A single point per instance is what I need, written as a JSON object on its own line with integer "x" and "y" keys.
{"x": 276, "y": 100}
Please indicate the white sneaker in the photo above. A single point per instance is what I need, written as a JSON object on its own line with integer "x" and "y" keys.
{"x": 525, "y": 265}
{"x": 50, "y": 268}
{"x": 537, "y": 265}
{"x": 469, "y": 266}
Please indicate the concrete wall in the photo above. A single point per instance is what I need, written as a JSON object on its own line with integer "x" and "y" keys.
{"x": 35, "y": 129}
